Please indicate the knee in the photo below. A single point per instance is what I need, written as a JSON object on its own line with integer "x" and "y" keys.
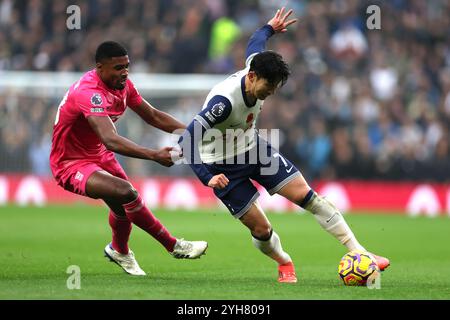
{"x": 126, "y": 192}
{"x": 302, "y": 197}
{"x": 262, "y": 231}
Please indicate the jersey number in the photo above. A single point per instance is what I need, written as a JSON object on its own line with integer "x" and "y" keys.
{"x": 277, "y": 155}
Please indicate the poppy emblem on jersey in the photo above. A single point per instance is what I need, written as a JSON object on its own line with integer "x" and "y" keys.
{"x": 249, "y": 118}
{"x": 96, "y": 99}
{"x": 217, "y": 109}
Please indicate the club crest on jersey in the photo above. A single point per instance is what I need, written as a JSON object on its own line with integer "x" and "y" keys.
{"x": 96, "y": 99}
{"x": 217, "y": 109}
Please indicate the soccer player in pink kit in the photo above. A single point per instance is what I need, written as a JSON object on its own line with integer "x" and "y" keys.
{"x": 82, "y": 157}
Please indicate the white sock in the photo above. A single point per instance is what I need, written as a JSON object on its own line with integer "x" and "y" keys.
{"x": 272, "y": 248}
{"x": 333, "y": 222}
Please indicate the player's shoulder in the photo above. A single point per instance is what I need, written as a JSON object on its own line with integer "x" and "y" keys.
{"x": 235, "y": 78}
{"x": 87, "y": 92}
{"x": 89, "y": 80}
{"x": 231, "y": 86}
{"x": 87, "y": 86}
{"x": 130, "y": 87}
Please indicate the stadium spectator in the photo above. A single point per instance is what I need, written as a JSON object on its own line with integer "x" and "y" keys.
{"x": 382, "y": 78}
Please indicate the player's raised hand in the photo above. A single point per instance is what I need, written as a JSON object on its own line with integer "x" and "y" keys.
{"x": 279, "y": 23}
{"x": 219, "y": 181}
{"x": 164, "y": 156}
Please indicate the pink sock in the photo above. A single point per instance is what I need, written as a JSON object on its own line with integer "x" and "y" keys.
{"x": 121, "y": 229}
{"x": 138, "y": 213}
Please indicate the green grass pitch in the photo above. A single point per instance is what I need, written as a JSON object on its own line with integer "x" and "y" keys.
{"x": 37, "y": 245}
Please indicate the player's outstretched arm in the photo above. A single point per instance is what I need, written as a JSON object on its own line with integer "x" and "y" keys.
{"x": 106, "y": 131}
{"x": 157, "y": 118}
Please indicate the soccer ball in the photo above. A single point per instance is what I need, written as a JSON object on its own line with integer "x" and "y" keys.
{"x": 357, "y": 267}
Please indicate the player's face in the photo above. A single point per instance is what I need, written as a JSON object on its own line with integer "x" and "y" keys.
{"x": 263, "y": 88}
{"x": 114, "y": 71}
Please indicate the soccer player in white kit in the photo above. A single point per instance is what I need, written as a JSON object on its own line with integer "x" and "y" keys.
{"x": 224, "y": 150}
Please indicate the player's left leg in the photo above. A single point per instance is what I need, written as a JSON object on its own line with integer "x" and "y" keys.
{"x": 326, "y": 214}
{"x": 285, "y": 179}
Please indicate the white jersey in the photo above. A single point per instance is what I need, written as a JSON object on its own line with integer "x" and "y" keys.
{"x": 226, "y": 126}
{"x": 235, "y": 134}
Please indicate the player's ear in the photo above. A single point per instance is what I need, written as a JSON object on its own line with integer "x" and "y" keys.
{"x": 98, "y": 65}
{"x": 251, "y": 76}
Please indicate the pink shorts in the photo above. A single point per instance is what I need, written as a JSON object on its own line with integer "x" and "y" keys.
{"x": 74, "y": 176}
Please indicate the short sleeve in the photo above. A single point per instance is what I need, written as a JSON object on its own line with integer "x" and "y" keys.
{"x": 134, "y": 99}
{"x": 92, "y": 103}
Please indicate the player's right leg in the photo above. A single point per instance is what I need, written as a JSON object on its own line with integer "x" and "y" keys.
{"x": 240, "y": 199}
{"x": 117, "y": 250}
{"x": 120, "y": 225}
{"x": 126, "y": 261}
{"x": 268, "y": 242}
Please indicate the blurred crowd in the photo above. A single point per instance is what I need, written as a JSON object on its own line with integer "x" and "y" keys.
{"x": 360, "y": 103}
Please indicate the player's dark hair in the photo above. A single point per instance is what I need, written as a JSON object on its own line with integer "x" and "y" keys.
{"x": 109, "y": 49}
{"x": 270, "y": 66}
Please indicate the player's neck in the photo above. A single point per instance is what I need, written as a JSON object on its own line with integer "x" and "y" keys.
{"x": 101, "y": 80}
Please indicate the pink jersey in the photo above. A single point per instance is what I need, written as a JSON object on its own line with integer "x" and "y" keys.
{"x": 73, "y": 138}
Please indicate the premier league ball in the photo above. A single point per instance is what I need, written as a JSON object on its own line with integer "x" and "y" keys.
{"x": 357, "y": 267}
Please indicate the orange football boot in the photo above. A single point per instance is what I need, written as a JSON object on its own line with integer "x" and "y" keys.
{"x": 382, "y": 262}
{"x": 286, "y": 273}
